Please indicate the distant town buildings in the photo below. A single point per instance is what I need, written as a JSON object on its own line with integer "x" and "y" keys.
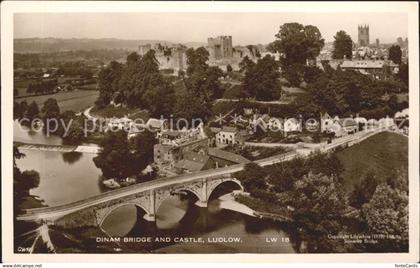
{"x": 379, "y": 69}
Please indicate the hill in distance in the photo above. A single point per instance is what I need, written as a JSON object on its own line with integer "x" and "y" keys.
{"x": 37, "y": 45}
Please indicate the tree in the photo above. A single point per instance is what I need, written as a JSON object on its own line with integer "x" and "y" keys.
{"x": 387, "y": 214}
{"x": 203, "y": 80}
{"x": 297, "y": 43}
{"x": 318, "y": 204}
{"x": 75, "y": 132}
{"x": 342, "y": 46}
{"x": 403, "y": 73}
{"x": 196, "y": 60}
{"x": 159, "y": 97}
{"x": 262, "y": 79}
{"x": 395, "y": 54}
{"x": 246, "y": 64}
{"x": 32, "y": 111}
{"x": 108, "y": 82}
{"x": 50, "y": 109}
{"x": 189, "y": 107}
{"x": 229, "y": 68}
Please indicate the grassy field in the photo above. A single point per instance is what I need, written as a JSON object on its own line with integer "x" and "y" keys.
{"x": 383, "y": 153}
{"x": 72, "y": 100}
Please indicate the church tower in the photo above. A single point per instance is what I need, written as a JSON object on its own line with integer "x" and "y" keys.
{"x": 363, "y": 35}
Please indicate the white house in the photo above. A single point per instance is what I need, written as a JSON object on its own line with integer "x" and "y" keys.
{"x": 329, "y": 124}
{"x": 119, "y": 123}
{"x": 386, "y": 122}
{"x": 292, "y": 125}
{"x": 229, "y": 136}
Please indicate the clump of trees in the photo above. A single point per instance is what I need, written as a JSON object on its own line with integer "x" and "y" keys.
{"x": 319, "y": 206}
{"x": 137, "y": 83}
{"x": 66, "y": 125}
{"x": 42, "y": 87}
{"x": 349, "y": 92}
{"x": 23, "y": 110}
{"x": 121, "y": 158}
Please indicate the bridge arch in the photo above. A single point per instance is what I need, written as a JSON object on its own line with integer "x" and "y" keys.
{"x": 106, "y": 212}
{"x": 212, "y": 185}
{"x": 162, "y": 196}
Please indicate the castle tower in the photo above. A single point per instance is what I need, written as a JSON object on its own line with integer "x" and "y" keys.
{"x": 220, "y": 47}
{"x": 363, "y": 35}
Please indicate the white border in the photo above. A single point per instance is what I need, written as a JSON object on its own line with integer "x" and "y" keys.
{"x": 9, "y": 8}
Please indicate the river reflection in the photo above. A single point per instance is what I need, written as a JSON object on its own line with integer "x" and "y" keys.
{"x": 181, "y": 218}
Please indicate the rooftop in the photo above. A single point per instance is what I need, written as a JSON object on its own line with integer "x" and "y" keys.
{"x": 229, "y": 129}
{"x": 370, "y": 64}
{"x": 232, "y": 157}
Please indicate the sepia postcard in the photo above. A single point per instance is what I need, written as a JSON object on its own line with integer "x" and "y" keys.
{"x": 210, "y": 131}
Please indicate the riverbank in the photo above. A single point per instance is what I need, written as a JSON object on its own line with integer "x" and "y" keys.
{"x": 263, "y": 209}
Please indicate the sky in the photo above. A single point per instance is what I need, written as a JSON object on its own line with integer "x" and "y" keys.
{"x": 245, "y": 28}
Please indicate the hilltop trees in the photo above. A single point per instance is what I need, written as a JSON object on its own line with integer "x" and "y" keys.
{"x": 342, "y": 46}
{"x": 297, "y": 43}
{"x": 137, "y": 83}
{"x": 262, "y": 79}
{"x": 203, "y": 80}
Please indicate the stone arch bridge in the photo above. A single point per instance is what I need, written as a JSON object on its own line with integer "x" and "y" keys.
{"x": 147, "y": 196}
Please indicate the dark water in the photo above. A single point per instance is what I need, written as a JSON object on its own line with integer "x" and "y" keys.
{"x": 68, "y": 177}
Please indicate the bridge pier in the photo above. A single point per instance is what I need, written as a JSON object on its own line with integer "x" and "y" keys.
{"x": 149, "y": 217}
{"x": 201, "y": 203}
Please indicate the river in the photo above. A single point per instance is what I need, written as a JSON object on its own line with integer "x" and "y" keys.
{"x": 68, "y": 177}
